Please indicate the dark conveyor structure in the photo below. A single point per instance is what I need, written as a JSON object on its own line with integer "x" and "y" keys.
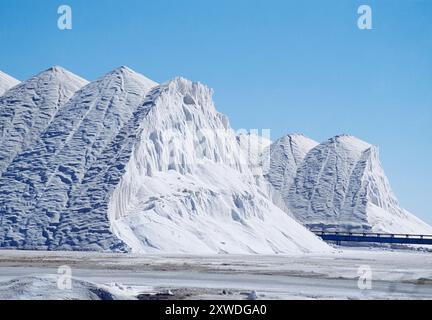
{"x": 338, "y": 237}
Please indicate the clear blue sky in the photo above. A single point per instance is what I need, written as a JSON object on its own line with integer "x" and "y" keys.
{"x": 291, "y": 66}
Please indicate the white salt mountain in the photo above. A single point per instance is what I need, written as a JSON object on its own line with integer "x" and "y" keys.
{"x": 175, "y": 180}
{"x": 37, "y": 185}
{"x": 6, "y": 82}
{"x": 280, "y": 161}
{"x": 341, "y": 185}
{"x": 162, "y": 173}
{"x": 27, "y": 109}
{"x": 285, "y": 157}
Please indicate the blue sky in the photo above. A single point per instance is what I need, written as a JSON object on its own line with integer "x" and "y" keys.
{"x": 291, "y": 66}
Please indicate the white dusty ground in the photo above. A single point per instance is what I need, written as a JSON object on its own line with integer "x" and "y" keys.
{"x": 395, "y": 275}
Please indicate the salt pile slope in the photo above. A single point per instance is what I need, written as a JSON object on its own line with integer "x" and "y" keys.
{"x": 342, "y": 186}
{"x": 255, "y": 147}
{"x": 40, "y": 182}
{"x": 27, "y": 109}
{"x": 286, "y": 156}
{"x": 175, "y": 180}
{"x": 6, "y": 82}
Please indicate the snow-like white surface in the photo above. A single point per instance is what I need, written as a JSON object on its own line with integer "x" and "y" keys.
{"x": 187, "y": 186}
{"x": 341, "y": 185}
{"x": 394, "y": 275}
{"x": 27, "y": 109}
{"x": 6, "y": 82}
{"x": 285, "y": 156}
{"x": 128, "y": 165}
{"x": 123, "y": 163}
{"x": 210, "y": 211}
{"x": 403, "y": 221}
{"x": 46, "y": 287}
{"x": 254, "y": 147}
{"x": 40, "y": 184}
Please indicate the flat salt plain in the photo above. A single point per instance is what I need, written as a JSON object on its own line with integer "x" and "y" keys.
{"x": 396, "y": 274}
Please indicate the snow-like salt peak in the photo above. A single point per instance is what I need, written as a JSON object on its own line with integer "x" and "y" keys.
{"x": 341, "y": 185}
{"x": 125, "y": 164}
{"x": 6, "y": 82}
{"x": 42, "y": 181}
{"x": 286, "y": 155}
{"x": 187, "y": 186}
{"x": 280, "y": 162}
{"x": 122, "y": 166}
{"x": 27, "y": 109}
{"x": 350, "y": 143}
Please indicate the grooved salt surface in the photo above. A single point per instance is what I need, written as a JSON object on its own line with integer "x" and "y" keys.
{"x": 27, "y": 109}
{"x": 129, "y": 165}
{"x": 341, "y": 185}
{"x": 41, "y": 181}
{"x": 6, "y": 82}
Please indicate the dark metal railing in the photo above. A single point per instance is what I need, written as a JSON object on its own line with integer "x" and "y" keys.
{"x": 374, "y": 237}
